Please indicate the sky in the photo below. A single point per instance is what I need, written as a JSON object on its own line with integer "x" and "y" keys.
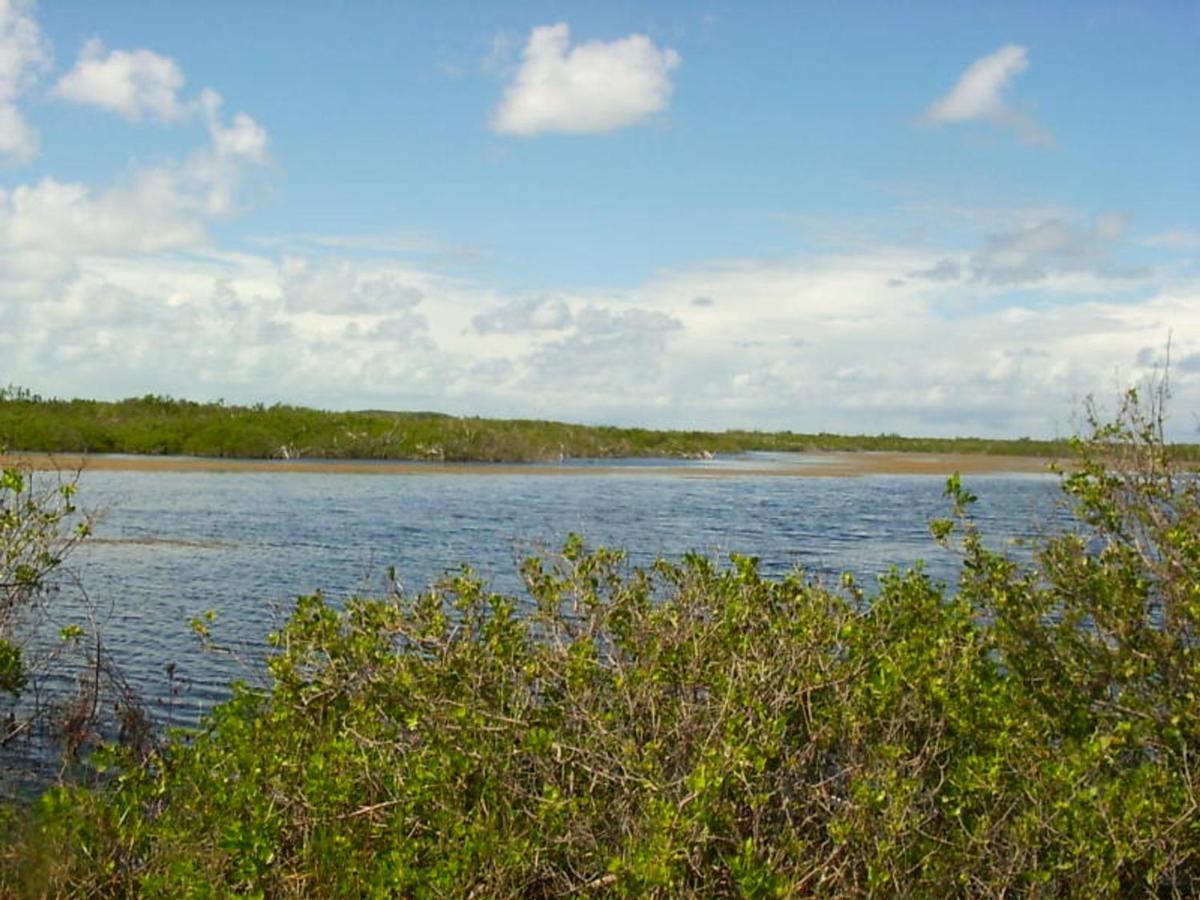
{"x": 923, "y": 218}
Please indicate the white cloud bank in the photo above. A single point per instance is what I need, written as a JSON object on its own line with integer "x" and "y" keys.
{"x": 979, "y": 95}
{"x": 829, "y": 341}
{"x": 589, "y": 88}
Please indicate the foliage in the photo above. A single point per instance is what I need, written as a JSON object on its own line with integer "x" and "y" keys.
{"x": 32, "y": 544}
{"x": 39, "y": 527}
{"x": 160, "y": 425}
{"x": 698, "y": 730}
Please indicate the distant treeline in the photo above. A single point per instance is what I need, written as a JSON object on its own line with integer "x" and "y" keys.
{"x": 159, "y": 425}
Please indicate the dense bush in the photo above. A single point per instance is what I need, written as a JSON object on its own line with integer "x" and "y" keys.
{"x": 161, "y": 425}
{"x": 698, "y": 730}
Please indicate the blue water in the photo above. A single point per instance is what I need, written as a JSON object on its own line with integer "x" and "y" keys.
{"x": 170, "y": 545}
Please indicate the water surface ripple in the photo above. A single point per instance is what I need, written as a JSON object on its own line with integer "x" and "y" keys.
{"x": 173, "y": 544}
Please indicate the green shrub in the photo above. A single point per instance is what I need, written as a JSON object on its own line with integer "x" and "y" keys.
{"x": 39, "y": 527}
{"x": 700, "y": 730}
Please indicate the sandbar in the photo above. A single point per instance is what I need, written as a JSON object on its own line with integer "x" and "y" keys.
{"x": 808, "y": 465}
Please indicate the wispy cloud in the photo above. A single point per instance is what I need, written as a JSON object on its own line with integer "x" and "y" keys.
{"x": 589, "y": 88}
{"x": 943, "y": 270}
{"x": 1177, "y": 239}
{"x": 979, "y": 95}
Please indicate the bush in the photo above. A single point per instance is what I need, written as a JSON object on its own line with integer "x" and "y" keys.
{"x": 33, "y": 542}
{"x": 44, "y": 647}
{"x": 698, "y": 730}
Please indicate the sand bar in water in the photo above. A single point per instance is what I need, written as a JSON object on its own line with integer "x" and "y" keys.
{"x": 818, "y": 465}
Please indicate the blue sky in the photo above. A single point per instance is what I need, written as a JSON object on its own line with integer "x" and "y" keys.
{"x": 926, "y": 218}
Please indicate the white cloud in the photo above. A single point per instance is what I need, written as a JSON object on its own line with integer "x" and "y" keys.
{"x": 978, "y": 95}
{"x": 589, "y": 88}
{"x": 613, "y": 359}
{"x": 524, "y": 314}
{"x": 18, "y": 139}
{"x": 1040, "y": 249}
{"x": 340, "y": 287}
{"x": 24, "y": 53}
{"x": 141, "y": 84}
{"x": 135, "y": 84}
{"x": 1178, "y": 239}
{"x": 218, "y": 169}
{"x": 809, "y": 343}
{"x": 148, "y": 210}
{"x": 243, "y": 140}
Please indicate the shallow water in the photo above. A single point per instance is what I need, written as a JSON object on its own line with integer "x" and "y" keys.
{"x": 170, "y": 545}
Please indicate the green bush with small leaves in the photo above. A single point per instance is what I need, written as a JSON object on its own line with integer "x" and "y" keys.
{"x": 696, "y": 729}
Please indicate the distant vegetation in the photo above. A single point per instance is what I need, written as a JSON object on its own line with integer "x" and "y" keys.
{"x": 698, "y": 730}
{"x": 166, "y": 426}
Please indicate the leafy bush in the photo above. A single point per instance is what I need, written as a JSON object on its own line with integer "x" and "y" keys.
{"x": 33, "y": 541}
{"x": 39, "y": 527}
{"x": 698, "y": 730}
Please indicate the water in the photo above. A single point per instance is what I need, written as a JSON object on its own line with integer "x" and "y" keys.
{"x": 170, "y": 545}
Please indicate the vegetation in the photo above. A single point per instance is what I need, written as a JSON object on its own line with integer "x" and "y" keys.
{"x": 39, "y": 526}
{"x": 161, "y": 425}
{"x": 32, "y": 543}
{"x": 698, "y": 730}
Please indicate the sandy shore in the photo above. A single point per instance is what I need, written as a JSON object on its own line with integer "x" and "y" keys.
{"x": 814, "y": 465}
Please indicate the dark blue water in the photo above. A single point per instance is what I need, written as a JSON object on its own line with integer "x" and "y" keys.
{"x": 169, "y": 546}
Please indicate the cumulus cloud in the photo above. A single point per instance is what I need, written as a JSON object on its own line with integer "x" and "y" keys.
{"x": 146, "y": 212}
{"x": 608, "y": 349}
{"x": 54, "y": 233}
{"x": 589, "y": 88}
{"x": 135, "y": 84}
{"x": 407, "y": 329}
{"x": 244, "y": 139}
{"x": 1041, "y": 249}
{"x": 24, "y": 53}
{"x": 979, "y": 95}
{"x": 524, "y": 314}
{"x": 340, "y": 287}
{"x": 142, "y": 84}
{"x": 221, "y": 166}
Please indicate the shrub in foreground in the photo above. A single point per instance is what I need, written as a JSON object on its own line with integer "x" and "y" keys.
{"x": 698, "y": 730}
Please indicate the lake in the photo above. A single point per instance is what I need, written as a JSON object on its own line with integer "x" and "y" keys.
{"x": 169, "y": 545}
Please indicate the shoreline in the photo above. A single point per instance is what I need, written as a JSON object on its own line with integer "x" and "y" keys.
{"x": 838, "y": 464}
